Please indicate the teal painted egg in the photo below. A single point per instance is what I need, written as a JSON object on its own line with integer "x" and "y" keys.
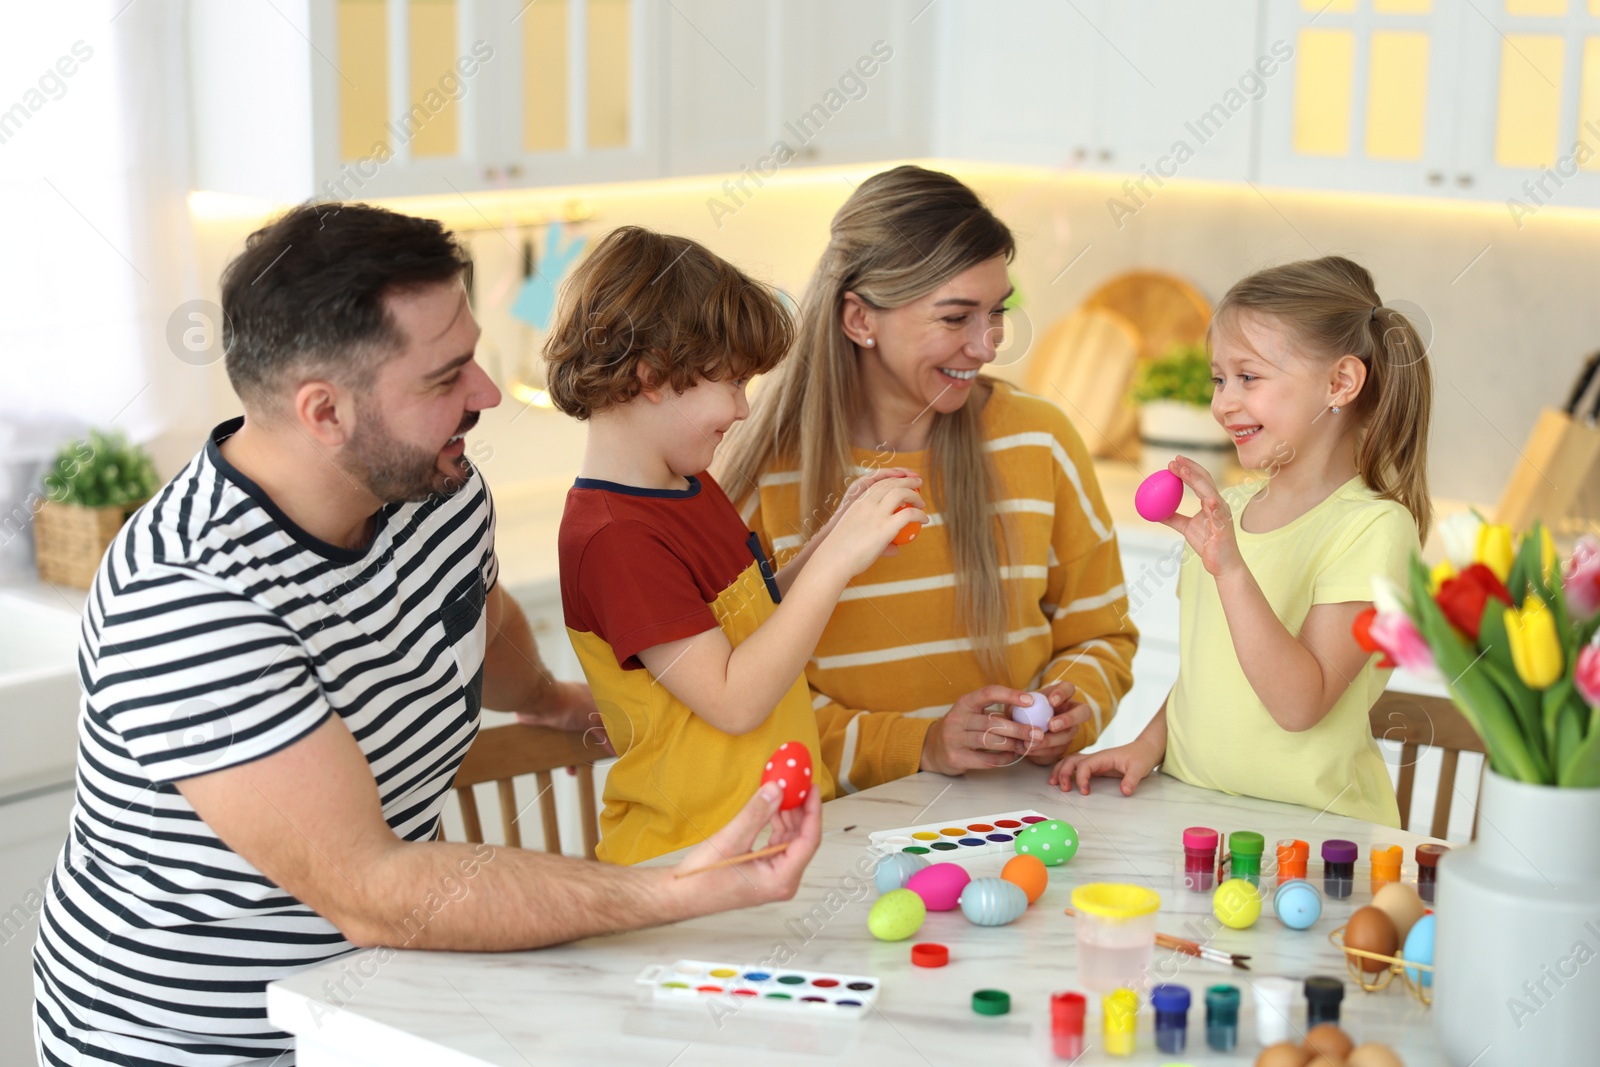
{"x": 1419, "y": 949}
{"x": 993, "y": 901}
{"x": 897, "y": 915}
{"x": 1053, "y": 841}
{"x": 895, "y": 869}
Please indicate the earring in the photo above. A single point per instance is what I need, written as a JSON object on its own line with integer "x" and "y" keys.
{"x": 870, "y": 342}
{"x": 1336, "y": 409}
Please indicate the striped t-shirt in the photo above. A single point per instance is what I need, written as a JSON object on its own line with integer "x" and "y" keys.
{"x": 218, "y": 632}
{"x": 895, "y": 654}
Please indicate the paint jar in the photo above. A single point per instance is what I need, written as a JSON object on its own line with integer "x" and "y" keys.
{"x": 1066, "y": 1024}
{"x": 1322, "y": 1000}
{"x": 1428, "y": 870}
{"x": 1171, "y": 1004}
{"x": 1274, "y": 998}
{"x": 1386, "y": 860}
{"x": 1338, "y": 867}
{"x": 1222, "y": 1017}
{"x": 1293, "y": 858}
{"x": 1121, "y": 1023}
{"x": 1244, "y": 852}
{"x": 1199, "y": 859}
{"x": 1115, "y": 927}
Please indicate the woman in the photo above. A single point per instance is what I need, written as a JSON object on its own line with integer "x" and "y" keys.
{"x": 1016, "y": 581}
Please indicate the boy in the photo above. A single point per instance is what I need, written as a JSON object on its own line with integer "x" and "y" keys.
{"x": 693, "y": 647}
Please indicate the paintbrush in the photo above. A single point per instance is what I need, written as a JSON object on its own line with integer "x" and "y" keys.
{"x": 732, "y": 861}
{"x": 1197, "y": 950}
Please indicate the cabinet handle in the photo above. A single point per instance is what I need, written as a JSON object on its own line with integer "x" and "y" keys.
{"x": 1435, "y": 178}
{"x": 1105, "y": 155}
{"x": 1464, "y": 180}
{"x": 514, "y": 170}
{"x": 1080, "y": 153}
{"x": 491, "y": 174}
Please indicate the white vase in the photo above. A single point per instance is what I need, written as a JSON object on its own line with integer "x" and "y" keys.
{"x": 1170, "y": 427}
{"x": 1517, "y": 957}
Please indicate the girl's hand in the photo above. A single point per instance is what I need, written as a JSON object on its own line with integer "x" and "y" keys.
{"x": 1132, "y": 762}
{"x": 1210, "y": 532}
{"x": 868, "y": 525}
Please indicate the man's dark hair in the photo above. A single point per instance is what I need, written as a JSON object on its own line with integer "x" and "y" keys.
{"x": 307, "y": 293}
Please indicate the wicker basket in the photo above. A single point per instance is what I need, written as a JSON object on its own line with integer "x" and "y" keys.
{"x": 70, "y": 540}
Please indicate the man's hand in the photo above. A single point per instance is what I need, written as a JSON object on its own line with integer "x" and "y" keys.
{"x": 757, "y": 881}
{"x": 569, "y": 706}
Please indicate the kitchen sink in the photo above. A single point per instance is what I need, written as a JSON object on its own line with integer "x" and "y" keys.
{"x": 38, "y": 694}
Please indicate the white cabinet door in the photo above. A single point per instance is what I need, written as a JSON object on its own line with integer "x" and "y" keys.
{"x": 1179, "y": 87}
{"x": 1530, "y": 112}
{"x": 32, "y": 831}
{"x": 1016, "y": 83}
{"x": 1370, "y": 99}
{"x": 723, "y": 92}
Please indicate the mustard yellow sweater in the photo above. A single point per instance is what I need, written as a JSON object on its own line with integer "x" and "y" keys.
{"x": 895, "y": 656}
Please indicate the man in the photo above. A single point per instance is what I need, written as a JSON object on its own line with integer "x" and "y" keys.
{"x": 283, "y": 661}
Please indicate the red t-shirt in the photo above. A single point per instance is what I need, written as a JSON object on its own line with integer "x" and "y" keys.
{"x": 641, "y": 567}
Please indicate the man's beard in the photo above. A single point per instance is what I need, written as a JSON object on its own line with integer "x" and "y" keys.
{"x": 396, "y": 472}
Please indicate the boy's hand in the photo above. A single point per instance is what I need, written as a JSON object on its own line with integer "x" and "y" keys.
{"x": 1132, "y": 762}
{"x": 868, "y": 525}
{"x": 861, "y": 485}
{"x": 1209, "y": 533}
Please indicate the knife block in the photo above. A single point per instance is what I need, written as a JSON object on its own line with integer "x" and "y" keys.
{"x": 1557, "y": 480}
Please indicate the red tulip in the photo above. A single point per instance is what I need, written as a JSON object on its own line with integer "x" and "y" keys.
{"x": 1363, "y": 634}
{"x": 1462, "y": 598}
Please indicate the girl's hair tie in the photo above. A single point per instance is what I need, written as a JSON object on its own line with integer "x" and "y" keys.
{"x": 1374, "y": 316}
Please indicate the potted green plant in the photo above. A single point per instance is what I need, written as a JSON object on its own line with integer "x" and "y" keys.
{"x": 1515, "y": 635}
{"x": 1174, "y": 398}
{"x": 91, "y": 488}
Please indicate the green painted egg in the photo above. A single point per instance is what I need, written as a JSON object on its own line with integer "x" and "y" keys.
{"x": 897, "y": 915}
{"x": 1053, "y": 841}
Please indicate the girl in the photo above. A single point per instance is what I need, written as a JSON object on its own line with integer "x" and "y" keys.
{"x": 1328, "y": 392}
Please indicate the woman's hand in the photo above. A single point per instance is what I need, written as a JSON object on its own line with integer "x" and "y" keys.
{"x": 970, "y": 736}
{"x": 1210, "y": 532}
{"x": 1062, "y": 729}
{"x": 1132, "y": 763}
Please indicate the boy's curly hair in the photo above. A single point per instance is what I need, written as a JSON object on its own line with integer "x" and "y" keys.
{"x": 663, "y": 303}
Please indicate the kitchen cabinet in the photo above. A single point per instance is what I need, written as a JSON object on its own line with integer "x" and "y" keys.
{"x": 1481, "y": 101}
{"x": 33, "y": 827}
{"x": 1162, "y": 87}
{"x": 752, "y": 87}
{"x": 356, "y": 99}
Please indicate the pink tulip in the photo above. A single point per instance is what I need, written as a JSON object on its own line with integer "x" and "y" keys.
{"x": 1581, "y": 579}
{"x": 1398, "y": 635}
{"x": 1586, "y": 674}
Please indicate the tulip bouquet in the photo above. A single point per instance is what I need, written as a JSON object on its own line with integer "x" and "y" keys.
{"x": 1513, "y": 633}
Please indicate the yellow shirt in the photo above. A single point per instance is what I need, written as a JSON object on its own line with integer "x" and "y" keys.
{"x": 895, "y": 654}
{"x": 1219, "y": 734}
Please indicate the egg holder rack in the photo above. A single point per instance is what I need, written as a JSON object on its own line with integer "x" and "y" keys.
{"x": 1397, "y": 964}
{"x": 763, "y": 990}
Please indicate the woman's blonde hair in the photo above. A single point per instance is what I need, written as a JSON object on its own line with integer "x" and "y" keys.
{"x": 900, "y": 235}
{"x": 1331, "y": 309}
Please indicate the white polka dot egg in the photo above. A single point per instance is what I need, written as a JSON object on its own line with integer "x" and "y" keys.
{"x": 790, "y": 767}
{"x": 1054, "y": 842}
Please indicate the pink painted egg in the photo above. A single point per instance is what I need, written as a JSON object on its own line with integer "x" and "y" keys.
{"x": 1158, "y": 496}
{"x": 940, "y": 885}
{"x": 790, "y": 767}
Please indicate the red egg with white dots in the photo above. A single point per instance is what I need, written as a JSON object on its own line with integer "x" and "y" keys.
{"x": 790, "y": 767}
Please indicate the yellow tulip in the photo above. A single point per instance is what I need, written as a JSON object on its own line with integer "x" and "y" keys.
{"x": 1549, "y": 562}
{"x": 1535, "y": 646}
{"x": 1442, "y": 572}
{"x": 1494, "y": 549}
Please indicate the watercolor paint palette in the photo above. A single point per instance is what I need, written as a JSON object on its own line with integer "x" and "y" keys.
{"x": 958, "y": 839}
{"x": 765, "y": 989}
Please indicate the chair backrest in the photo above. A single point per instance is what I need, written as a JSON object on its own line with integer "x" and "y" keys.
{"x": 503, "y": 753}
{"x": 1419, "y": 722}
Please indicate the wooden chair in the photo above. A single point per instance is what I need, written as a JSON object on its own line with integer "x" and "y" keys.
{"x": 1424, "y": 721}
{"x": 502, "y": 753}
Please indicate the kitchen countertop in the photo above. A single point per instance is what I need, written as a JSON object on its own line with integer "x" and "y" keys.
{"x": 580, "y": 1004}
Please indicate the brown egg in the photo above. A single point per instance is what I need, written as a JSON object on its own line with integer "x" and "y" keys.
{"x": 1323, "y": 1061}
{"x": 1283, "y": 1054}
{"x": 1326, "y": 1039}
{"x": 1373, "y": 1055}
{"x": 1371, "y": 931}
{"x": 1401, "y": 903}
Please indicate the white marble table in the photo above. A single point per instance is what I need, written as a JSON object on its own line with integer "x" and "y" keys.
{"x": 579, "y": 1003}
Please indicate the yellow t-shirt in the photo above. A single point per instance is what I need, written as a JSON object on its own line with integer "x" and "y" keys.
{"x": 1219, "y": 734}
